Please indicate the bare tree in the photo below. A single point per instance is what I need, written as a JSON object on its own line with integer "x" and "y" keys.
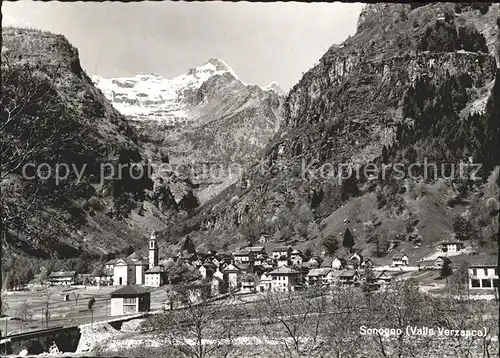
{"x": 293, "y": 320}
{"x": 25, "y": 313}
{"x": 41, "y": 278}
{"x": 346, "y": 309}
{"x": 400, "y": 305}
{"x": 4, "y": 305}
{"x": 486, "y": 315}
{"x": 200, "y": 329}
{"x": 459, "y": 312}
{"x": 76, "y": 296}
{"x": 142, "y": 350}
{"x": 46, "y": 308}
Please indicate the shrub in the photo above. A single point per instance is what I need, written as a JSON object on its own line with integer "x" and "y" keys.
{"x": 470, "y": 39}
{"x": 442, "y": 36}
{"x": 464, "y": 229}
{"x": 483, "y": 7}
{"x": 189, "y": 202}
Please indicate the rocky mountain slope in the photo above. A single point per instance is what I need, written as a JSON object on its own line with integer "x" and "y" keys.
{"x": 52, "y": 114}
{"x": 415, "y": 83}
{"x": 202, "y": 119}
{"x": 112, "y": 188}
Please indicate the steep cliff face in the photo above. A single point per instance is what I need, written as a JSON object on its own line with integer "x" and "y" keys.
{"x": 414, "y": 82}
{"x": 376, "y": 95}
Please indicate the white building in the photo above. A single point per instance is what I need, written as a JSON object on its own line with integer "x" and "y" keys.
{"x": 297, "y": 257}
{"x": 129, "y": 271}
{"x": 248, "y": 284}
{"x": 154, "y": 277}
{"x": 62, "y": 277}
{"x": 281, "y": 251}
{"x": 233, "y": 274}
{"x": 284, "y": 279}
{"x": 338, "y": 263}
{"x": 265, "y": 282}
{"x": 110, "y": 264}
{"x": 318, "y": 276}
{"x": 450, "y": 246}
{"x": 243, "y": 256}
{"x": 129, "y": 300}
{"x": 483, "y": 276}
{"x": 400, "y": 260}
{"x": 218, "y": 273}
{"x": 134, "y": 270}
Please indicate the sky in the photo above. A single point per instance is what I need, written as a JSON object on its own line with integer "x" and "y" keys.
{"x": 262, "y": 42}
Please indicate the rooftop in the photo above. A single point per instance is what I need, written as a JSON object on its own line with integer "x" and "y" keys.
{"x": 309, "y": 264}
{"x": 483, "y": 266}
{"x": 63, "y": 274}
{"x": 255, "y": 248}
{"x": 284, "y": 271}
{"x": 209, "y": 265}
{"x": 319, "y": 272}
{"x": 347, "y": 273}
{"x": 129, "y": 261}
{"x": 130, "y": 290}
{"x": 483, "y": 260}
{"x": 155, "y": 269}
{"x": 231, "y": 267}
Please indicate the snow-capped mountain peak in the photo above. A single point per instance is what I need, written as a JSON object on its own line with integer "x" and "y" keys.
{"x": 195, "y": 77}
{"x": 273, "y": 86}
{"x": 149, "y": 96}
{"x": 219, "y": 64}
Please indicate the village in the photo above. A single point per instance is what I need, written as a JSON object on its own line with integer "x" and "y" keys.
{"x": 131, "y": 290}
{"x": 133, "y": 284}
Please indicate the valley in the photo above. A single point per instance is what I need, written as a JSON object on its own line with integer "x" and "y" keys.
{"x": 244, "y": 220}
{"x": 206, "y": 120}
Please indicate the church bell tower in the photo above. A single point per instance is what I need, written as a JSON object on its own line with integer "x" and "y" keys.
{"x": 153, "y": 251}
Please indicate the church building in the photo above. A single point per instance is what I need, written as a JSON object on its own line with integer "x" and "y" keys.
{"x": 134, "y": 270}
{"x": 129, "y": 270}
{"x": 155, "y": 275}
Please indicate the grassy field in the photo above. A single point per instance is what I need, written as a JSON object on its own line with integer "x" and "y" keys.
{"x": 63, "y": 312}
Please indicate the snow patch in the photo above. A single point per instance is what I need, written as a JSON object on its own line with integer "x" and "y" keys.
{"x": 273, "y": 86}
